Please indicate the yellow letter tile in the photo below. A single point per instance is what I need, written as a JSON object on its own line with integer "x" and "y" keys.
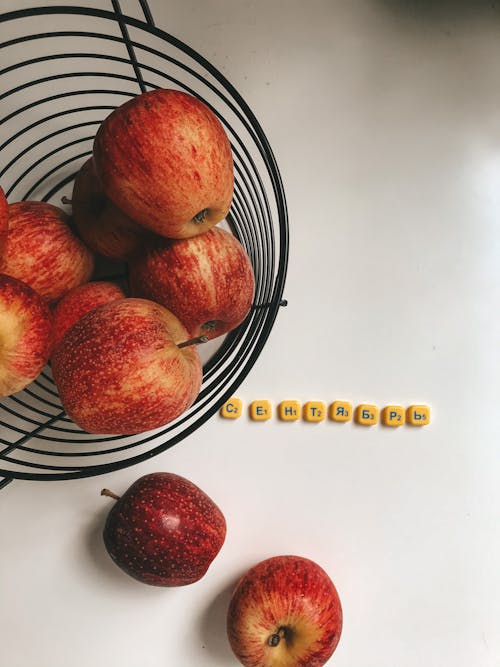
{"x": 418, "y": 415}
{"x": 232, "y": 408}
{"x": 340, "y": 411}
{"x": 366, "y": 414}
{"x": 314, "y": 411}
{"x": 260, "y": 410}
{"x": 289, "y": 411}
{"x": 393, "y": 415}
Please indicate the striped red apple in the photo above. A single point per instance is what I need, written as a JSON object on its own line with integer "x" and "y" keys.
{"x": 284, "y": 612}
{"x": 100, "y": 224}
{"x": 164, "y": 159}
{"x": 119, "y": 369}
{"x": 79, "y": 301}
{"x": 206, "y": 280}
{"x": 164, "y": 530}
{"x": 42, "y": 250}
{"x": 25, "y": 335}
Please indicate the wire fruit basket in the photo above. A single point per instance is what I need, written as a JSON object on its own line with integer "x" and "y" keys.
{"x": 63, "y": 70}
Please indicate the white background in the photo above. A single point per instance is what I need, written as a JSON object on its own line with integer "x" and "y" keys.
{"x": 384, "y": 117}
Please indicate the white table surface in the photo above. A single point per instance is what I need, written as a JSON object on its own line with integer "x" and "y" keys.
{"x": 384, "y": 117}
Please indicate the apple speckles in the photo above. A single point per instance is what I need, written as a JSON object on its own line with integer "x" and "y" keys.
{"x": 157, "y": 143}
{"x": 207, "y": 278}
{"x": 168, "y": 553}
{"x": 42, "y": 251}
{"x": 284, "y": 611}
{"x": 79, "y": 301}
{"x": 25, "y": 335}
{"x": 118, "y": 369}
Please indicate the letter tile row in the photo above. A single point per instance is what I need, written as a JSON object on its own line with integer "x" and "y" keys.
{"x": 364, "y": 414}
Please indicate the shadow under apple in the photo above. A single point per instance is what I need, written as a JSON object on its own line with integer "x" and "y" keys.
{"x": 104, "y": 566}
{"x": 99, "y": 557}
{"x": 212, "y": 625}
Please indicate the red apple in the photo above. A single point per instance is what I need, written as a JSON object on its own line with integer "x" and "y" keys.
{"x": 25, "y": 335}
{"x": 164, "y": 530}
{"x": 42, "y": 251}
{"x": 207, "y": 280}
{"x": 284, "y": 612}
{"x": 165, "y": 160}
{"x": 4, "y": 221}
{"x": 119, "y": 368}
{"x": 100, "y": 224}
{"x": 79, "y": 301}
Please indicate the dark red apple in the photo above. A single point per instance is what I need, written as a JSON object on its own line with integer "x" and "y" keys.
{"x": 165, "y": 160}
{"x": 100, "y": 224}
{"x": 42, "y": 251}
{"x": 25, "y": 335}
{"x": 4, "y": 221}
{"x": 284, "y": 612}
{"x": 79, "y": 301}
{"x": 119, "y": 369}
{"x": 164, "y": 530}
{"x": 207, "y": 280}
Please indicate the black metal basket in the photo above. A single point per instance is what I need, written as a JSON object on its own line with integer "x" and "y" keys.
{"x": 83, "y": 62}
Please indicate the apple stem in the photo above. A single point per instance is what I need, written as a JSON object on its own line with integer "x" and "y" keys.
{"x": 110, "y": 494}
{"x": 193, "y": 341}
{"x": 65, "y": 200}
{"x": 276, "y": 637}
{"x": 200, "y": 216}
{"x": 210, "y": 325}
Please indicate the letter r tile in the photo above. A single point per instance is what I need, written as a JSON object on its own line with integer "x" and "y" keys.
{"x": 340, "y": 411}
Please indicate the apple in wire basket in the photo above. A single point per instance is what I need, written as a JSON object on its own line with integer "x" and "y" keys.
{"x": 284, "y": 612}
{"x": 42, "y": 251}
{"x": 100, "y": 224}
{"x": 206, "y": 280}
{"x": 25, "y": 334}
{"x": 79, "y": 301}
{"x": 164, "y": 159}
{"x": 126, "y": 367}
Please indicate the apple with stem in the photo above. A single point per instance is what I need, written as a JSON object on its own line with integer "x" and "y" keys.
{"x": 42, "y": 250}
{"x": 127, "y": 366}
{"x": 164, "y": 530}
{"x": 25, "y": 335}
{"x": 4, "y": 221}
{"x": 165, "y": 160}
{"x": 79, "y": 301}
{"x": 206, "y": 280}
{"x": 284, "y": 612}
{"x": 100, "y": 224}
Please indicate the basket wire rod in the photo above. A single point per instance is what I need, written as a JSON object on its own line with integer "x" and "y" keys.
{"x": 147, "y": 12}
{"x": 25, "y": 418}
{"x": 7, "y": 480}
{"x": 128, "y": 44}
{"x": 46, "y": 138}
{"x": 29, "y": 435}
{"x": 26, "y": 129}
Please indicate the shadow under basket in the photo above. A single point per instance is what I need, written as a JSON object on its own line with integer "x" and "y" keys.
{"x": 63, "y": 70}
